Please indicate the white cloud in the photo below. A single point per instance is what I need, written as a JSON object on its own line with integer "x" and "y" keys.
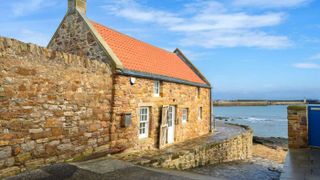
{"x": 131, "y": 10}
{"x": 269, "y": 3}
{"x": 229, "y": 21}
{"x": 307, "y": 65}
{"x": 207, "y": 24}
{"x": 235, "y": 38}
{"x": 24, "y": 7}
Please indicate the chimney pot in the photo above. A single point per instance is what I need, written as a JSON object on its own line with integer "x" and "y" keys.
{"x": 79, "y": 5}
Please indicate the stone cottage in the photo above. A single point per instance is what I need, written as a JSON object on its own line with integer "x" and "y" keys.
{"x": 156, "y": 97}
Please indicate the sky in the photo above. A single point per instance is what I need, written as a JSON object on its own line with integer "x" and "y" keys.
{"x": 247, "y": 49}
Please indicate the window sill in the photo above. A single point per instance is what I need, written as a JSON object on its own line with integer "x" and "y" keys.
{"x": 143, "y": 137}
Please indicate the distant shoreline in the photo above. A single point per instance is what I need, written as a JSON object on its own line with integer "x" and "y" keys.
{"x": 256, "y": 103}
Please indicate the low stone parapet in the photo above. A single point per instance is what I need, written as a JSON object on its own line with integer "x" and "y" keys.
{"x": 232, "y": 143}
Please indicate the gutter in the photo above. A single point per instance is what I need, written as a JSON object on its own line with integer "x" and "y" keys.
{"x": 126, "y": 72}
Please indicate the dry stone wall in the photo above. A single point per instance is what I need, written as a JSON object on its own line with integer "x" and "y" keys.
{"x": 53, "y": 106}
{"x": 128, "y": 98}
{"x": 297, "y": 127}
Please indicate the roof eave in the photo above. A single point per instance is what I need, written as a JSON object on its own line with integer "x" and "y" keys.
{"x": 133, "y": 73}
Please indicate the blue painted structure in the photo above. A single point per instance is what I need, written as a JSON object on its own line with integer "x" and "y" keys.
{"x": 314, "y": 125}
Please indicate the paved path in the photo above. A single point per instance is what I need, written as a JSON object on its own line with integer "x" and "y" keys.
{"x": 255, "y": 169}
{"x": 302, "y": 164}
{"x": 104, "y": 168}
{"x": 107, "y": 168}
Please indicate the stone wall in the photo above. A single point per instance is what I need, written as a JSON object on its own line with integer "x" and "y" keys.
{"x": 56, "y": 107}
{"x": 233, "y": 149}
{"x": 297, "y": 127}
{"x": 128, "y": 98}
{"x": 53, "y": 106}
{"x": 74, "y": 37}
{"x": 199, "y": 151}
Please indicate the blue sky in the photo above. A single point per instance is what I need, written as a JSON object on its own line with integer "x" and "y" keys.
{"x": 248, "y": 49}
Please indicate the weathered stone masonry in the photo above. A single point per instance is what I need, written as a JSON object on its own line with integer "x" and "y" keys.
{"x": 75, "y": 37}
{"x": 297, "y": 127}
{"x": 128, "y": 98}
{"x": 56, "y": 106}
{"x": 68, "y": 102}
{"x": 53, "y": 106}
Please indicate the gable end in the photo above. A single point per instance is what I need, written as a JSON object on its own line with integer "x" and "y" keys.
{"x": 179, "y": 53}
{"x": 76, "y": 35}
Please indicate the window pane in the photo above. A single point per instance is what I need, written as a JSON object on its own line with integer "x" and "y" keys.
{"x": 156, "y": 87}
{"x": 144, "y": 113}
{"x": 184, "y": 115}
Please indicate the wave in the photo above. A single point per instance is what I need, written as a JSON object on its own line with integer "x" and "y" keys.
{"x": 250, "y": 119}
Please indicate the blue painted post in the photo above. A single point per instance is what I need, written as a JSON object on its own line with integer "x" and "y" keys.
{"x": 314, "y": 125}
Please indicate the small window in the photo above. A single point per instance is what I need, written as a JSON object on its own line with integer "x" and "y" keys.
{"x": 200, "y": 113}
{"x": 144, "y": 122}
{"x": 198, "y": 92}
{"x": 184, "y": 115}
{"x": 156, "y": 89}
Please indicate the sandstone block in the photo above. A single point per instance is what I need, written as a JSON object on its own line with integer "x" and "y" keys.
{"x": 69, "y": 113}
{"x": 21, "y": 158}
{"x": 7, "y": 136}
{"x": 9, "y": 171}
{"x": 39, "y": 130}
{"x": 8, "y": 80}
{"x": 4, "y": 143}
{"x": 51, "y": 160}
{"x": 34, "y": 164}
{"x": 52, "y": 122}
{"x": 64, "y": 147}
{"x": 88, "y": 151}
{"x": 5, "y": 152}
{"x": 9, "y": 162}
{"x": 56, "y": 131}
{"x": 103, "y": 148}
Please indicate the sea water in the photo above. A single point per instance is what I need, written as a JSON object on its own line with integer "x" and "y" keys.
{"x": 266, "y": 121}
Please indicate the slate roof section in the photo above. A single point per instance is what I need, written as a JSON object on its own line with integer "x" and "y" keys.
{"x": 139, "y": 56}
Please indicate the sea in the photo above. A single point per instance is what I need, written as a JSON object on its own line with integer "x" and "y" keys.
{"x": 266, "y": 121}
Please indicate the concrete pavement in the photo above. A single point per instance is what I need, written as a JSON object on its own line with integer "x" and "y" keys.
{"x": 302, "y": 164}
{"x": 105, "y": 168}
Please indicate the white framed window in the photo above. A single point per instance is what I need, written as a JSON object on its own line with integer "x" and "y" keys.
{"x": 200, "y": 113}
{"x": 144, "y": 122}
{"x": 184, "y": 115}
{"x": 156, "y": 88}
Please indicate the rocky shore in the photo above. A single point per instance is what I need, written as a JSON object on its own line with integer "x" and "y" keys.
{"x": 272, "y": 142}
{"x": 271, "y": 148}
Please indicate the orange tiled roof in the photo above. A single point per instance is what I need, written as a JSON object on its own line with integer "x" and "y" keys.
{"x": 142, "y": 57}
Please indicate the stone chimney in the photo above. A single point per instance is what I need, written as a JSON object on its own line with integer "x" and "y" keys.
{"x": 80, "y": 5}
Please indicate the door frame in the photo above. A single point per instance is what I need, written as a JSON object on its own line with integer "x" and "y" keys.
{"x": 171, "y": 138}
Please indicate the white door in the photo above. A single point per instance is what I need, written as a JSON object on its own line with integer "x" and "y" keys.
{"x": 171, "y": 121}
